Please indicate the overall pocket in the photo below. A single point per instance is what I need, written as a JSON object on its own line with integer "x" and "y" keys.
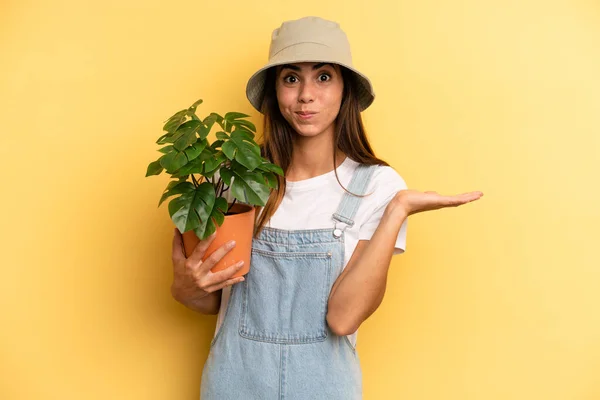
{"x": 285, "y": 297}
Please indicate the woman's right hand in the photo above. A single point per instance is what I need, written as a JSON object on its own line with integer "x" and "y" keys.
{"x": 192, "y": 277}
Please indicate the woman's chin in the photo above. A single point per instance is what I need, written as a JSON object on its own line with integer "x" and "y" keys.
{"x": 307, "y": 130}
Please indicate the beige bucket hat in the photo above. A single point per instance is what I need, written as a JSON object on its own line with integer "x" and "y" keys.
{"x": 309, "y": 39}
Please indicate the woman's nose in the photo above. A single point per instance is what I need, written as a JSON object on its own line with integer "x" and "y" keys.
{"x": 306, "y": 94}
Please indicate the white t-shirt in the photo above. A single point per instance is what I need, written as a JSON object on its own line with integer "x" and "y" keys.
{"x": 310, "y": 204}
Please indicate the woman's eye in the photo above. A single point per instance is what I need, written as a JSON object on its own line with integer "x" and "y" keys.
{"x": 293, "y": 79}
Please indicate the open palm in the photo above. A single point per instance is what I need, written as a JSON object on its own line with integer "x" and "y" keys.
{"x": 414, "y": 201}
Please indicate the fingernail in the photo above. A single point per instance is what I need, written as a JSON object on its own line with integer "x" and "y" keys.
{"x": 231, "y": 244}
{"x": 240, "y": 264}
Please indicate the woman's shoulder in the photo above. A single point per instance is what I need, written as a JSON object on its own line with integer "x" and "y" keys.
{"x": 385, "y": 182}
{"x": 383, "y": 185}
{"x": 388, "y": 174}
{"x": 385, "y": 178}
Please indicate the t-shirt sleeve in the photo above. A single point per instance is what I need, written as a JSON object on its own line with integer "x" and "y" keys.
{"x": 386, "y": 182}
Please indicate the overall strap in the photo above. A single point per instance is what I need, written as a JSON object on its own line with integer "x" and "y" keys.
{"x": 349, "y": 205}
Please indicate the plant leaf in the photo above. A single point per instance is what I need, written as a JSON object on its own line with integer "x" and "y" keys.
{"x": 255, "y": 176}
{"x": 272, "y": 180}
{"x": 173, "y": 161}
{"x": 218, "y": 213}
{"x": 210, "y": 174}
{"x": 154, "y": 168}
{"x": 185, "y": 129}
{"x": 245, "y": 188}
{"x": 267, "y": 166}
{"x": 214, "y": 162}
{"x": 206, "y": 230}
{"x": 193, "y": 167}
{"x": 226, "y": 175}
{"x": 174, "y": 188}
{"x": 212, "y": 118}
{"x": 231, "y": 116}
{"x": 192, "y": 210}
{"x": 166, "y": 149}
{"x": 203, "y": 131}
{"x": 246, "y": 155}
{"x": 185, "y": 140}
{"x": 207, "y": 153}
{"x": 163, "y": 138}
{"x": 192, "y": 108}
{"x": 173, "y": 123}
{"x": 221, "y": 204}
{"x": 244, "y": 123}
{"x": 243, "y": 149}
{"x": 228, "y": 148}
{"x": 218, "y": 216}
{"x": 195, "y": 149}
{"x": 227, "y": 126}
{"x": 217, "y": 143}
{"x": 222, "y": 135}
{"x": 243, "y": 134}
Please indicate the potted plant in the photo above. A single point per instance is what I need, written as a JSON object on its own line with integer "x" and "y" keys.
{"x": 203, "y": 172}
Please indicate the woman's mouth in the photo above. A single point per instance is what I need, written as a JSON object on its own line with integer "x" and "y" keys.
{"x": 306, "y": 115}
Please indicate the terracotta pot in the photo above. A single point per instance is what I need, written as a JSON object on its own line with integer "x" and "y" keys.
{"x": 238, "y": 226}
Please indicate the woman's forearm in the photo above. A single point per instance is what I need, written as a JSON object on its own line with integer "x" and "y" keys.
{"x": 359, "y": 290}
{"x": 209, "y": 304}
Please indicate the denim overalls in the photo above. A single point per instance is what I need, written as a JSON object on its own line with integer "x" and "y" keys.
{"x": 274, "y": 342}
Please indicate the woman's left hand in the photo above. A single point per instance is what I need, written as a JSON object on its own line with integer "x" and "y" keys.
{"x": 413, "y": 201}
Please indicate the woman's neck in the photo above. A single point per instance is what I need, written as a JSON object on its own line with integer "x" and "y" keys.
{"x": 312, "y": 157}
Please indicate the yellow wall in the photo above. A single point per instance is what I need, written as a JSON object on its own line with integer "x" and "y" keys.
{"x": 494, "y": 300}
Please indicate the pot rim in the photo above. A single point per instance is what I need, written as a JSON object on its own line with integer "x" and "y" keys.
{"x": 248, "y": 209}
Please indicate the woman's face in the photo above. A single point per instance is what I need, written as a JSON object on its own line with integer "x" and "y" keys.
{"x": 309, "y": 96}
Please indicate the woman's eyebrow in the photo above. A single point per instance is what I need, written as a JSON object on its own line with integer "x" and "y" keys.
{"x": 296, "y": 68}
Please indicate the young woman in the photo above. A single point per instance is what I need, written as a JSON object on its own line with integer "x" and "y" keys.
{"x": 324, "y": 240}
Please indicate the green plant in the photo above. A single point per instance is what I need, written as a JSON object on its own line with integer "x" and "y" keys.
{"x": 232, "y": 162}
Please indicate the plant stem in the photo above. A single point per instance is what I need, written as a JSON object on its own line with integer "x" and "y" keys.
{"x": 219, "y": 187}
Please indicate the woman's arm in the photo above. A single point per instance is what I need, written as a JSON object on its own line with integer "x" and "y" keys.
{"x": 360, "y": 288}
{"x": 209, "y": 304}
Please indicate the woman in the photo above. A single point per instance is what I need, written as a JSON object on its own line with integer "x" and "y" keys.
{"x": 324, "y": 240}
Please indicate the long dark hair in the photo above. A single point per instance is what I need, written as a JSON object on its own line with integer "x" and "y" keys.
{"x": 277, "y": 141}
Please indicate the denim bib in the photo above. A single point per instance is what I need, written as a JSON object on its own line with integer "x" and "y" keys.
{"x": 274, "y": 342}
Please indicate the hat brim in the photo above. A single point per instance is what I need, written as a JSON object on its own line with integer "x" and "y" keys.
{"x": 256, "y": 84}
